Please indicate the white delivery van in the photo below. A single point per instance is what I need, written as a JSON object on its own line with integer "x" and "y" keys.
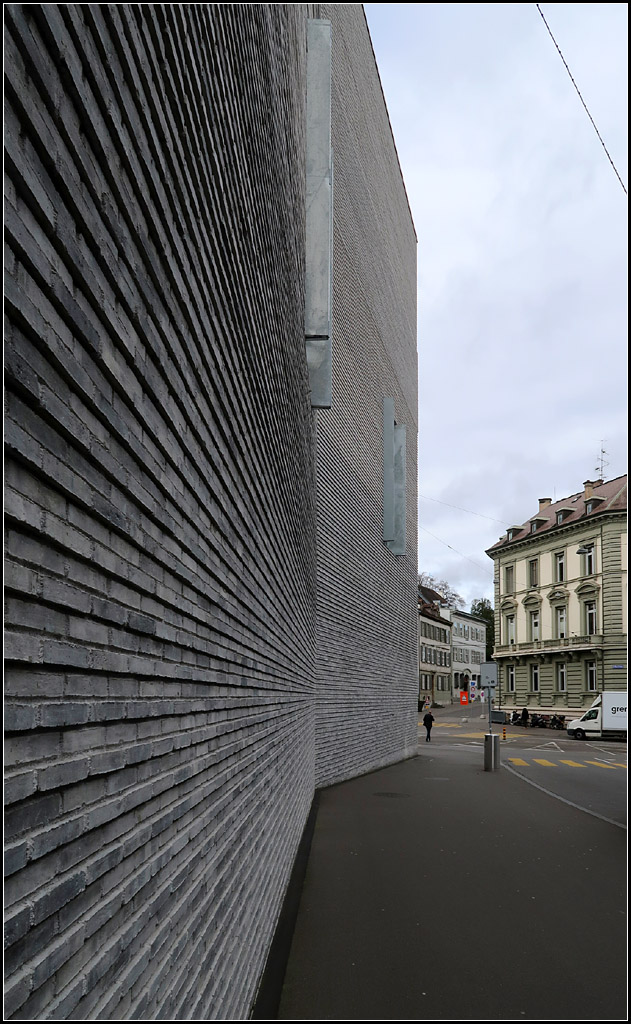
{"x": 606, "y": 719}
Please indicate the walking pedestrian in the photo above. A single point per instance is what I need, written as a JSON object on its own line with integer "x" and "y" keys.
{"x": 524, "y": 717}
{"x": 428, "y": 721}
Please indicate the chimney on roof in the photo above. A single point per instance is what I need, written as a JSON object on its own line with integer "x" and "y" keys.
{"x": 589, "y": 488}
{"x": 544, "y": 502}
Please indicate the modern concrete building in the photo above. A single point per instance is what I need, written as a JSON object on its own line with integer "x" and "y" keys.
{"x": 561, "y": 600}
{"x": 211, "y": 395}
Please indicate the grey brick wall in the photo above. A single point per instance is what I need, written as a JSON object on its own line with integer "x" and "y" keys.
{"x": 172, "y": 560}
{"x": 367, "y": 668}
{"x": 159, "y": 490}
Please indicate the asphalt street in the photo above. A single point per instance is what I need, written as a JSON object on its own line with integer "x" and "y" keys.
{"x": 599, "y": 786}
{"x": 436, "y": 890}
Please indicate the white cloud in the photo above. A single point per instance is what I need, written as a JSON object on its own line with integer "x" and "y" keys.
{"x": 522, "y": 257}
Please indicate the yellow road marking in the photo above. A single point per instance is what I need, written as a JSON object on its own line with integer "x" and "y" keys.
{"x": 572, "y": 764}
{"x": 616, "y": 765}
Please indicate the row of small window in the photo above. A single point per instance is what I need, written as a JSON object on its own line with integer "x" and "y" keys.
{"x": 434, "y": 632}
{"x": 560, "y": 570}
{"x": 560, "y": 677}
{"x": 434, "y": 656}
{"x": 441, "y": 682}
{"x": 589, "y": 624}
{"x": 468, "y": 631}
{"x": 560, "y": 518}
{"x": 467, "y": 655}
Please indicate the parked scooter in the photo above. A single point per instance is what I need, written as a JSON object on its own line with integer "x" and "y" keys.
{"x": 538, "y": 722}
{"x": 557, "y": 722}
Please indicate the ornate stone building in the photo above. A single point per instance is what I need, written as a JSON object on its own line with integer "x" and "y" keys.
{"x": 561, "y": 598}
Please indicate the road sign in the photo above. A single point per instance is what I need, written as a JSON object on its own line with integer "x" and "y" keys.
{"x": 488, "y": 678}
{"x": 488, "y": 675}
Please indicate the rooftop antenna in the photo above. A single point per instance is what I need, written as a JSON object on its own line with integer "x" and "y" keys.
{"x": 601, "y": 463}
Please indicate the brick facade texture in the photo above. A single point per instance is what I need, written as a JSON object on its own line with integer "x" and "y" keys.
{"x": 367, "y": 661}
{"x": 202, "y": 622}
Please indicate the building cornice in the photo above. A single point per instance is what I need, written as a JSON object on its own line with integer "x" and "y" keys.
{"x": 554, "y": 533}
{"x": 542, "y": 648}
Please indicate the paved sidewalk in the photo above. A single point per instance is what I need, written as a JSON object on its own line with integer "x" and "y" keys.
{"x": 435, "y": 890}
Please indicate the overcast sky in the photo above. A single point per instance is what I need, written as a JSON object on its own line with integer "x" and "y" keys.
{"x": 522, "y": 254}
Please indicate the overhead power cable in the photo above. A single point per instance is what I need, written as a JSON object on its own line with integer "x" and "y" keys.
{"x": 460, "y": 509}
{"x": 581, "y": 99}
{"x": 441, "y": 541}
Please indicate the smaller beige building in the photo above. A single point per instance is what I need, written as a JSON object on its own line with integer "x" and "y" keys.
{"x": 452, "y": 646}
{"x": 434, "y": 630}
{"x": 468, "y": 651}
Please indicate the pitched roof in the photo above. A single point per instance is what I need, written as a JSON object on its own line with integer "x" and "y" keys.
{"x": 612, "y": 495}
{"x": 429, "y": 595}
{"x": 431, "y": 612}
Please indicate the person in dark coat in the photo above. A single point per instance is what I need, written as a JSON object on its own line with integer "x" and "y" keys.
{"x": 524, "y": 717}
{"x": 428, "y": 721}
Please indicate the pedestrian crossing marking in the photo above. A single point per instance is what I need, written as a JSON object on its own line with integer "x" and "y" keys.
{"x": 473, "y": 735}
{"x": 552, "y": 764}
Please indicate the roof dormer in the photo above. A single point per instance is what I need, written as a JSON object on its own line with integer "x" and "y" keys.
{"x": 537, "y": 522}
{"x": 563, "y": 513}
{"x": 592, "y": 503}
